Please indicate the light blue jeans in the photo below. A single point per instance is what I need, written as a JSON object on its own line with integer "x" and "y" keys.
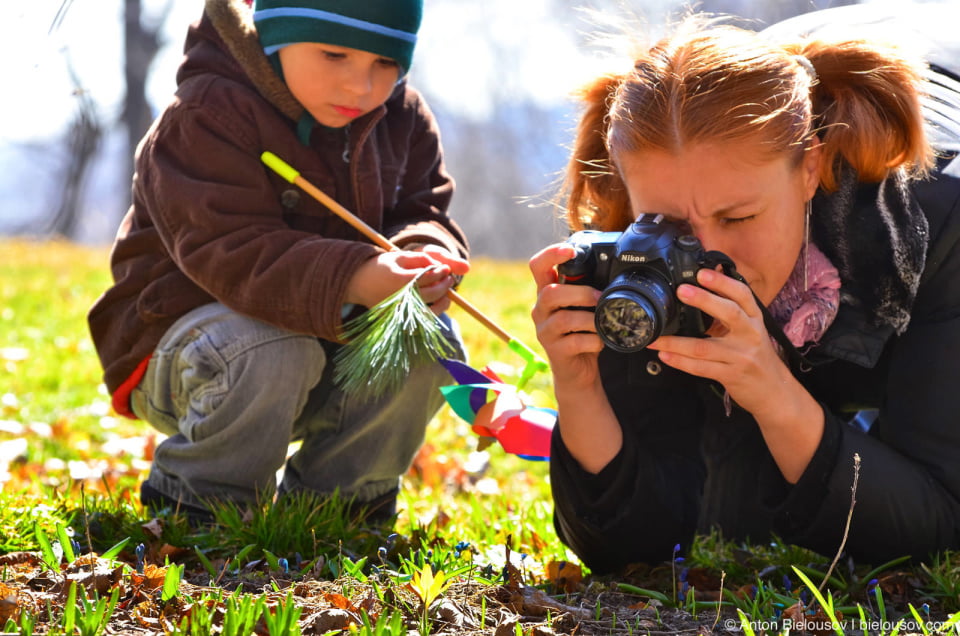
{"x": 232, "y": 392}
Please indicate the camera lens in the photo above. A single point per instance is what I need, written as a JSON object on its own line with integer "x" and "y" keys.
{"x": 632, "y": 312}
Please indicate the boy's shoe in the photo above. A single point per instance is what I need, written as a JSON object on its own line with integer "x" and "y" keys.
{"x": 379, "y": 511}
{"x": 156, "y": 501}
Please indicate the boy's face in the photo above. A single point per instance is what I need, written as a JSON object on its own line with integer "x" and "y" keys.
{"x": 337, "y": 84}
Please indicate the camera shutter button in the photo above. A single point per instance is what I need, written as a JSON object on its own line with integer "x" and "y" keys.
{"x": 654, "y": 367}
{"x": 688, "y": 242}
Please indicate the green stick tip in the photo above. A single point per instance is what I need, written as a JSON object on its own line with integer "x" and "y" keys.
{"x": 279, "y": 166}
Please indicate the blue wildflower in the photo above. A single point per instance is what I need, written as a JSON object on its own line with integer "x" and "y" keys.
{"x": 140, "y": 551}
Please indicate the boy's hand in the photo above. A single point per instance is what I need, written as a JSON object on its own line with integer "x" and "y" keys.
{"x": 384, "y": 274}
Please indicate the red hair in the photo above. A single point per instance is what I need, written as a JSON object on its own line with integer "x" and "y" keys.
{"x": 713, "y": 83}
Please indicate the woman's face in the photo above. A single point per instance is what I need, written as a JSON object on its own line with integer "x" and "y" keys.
{"x": 752, "y": 210}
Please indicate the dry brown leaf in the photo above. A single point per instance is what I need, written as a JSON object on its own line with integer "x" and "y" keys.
{"x": 9, "y": 604}
{"x": 153, "y": 576}
{"x": 20, "y": 558}
{"x": 339, "y": 601}
{"x": 154, "y": 527}
{"x": 564, "y": 575}
{"x": 171, "y": 552}
{"x": 329, "y": 620}
{"x": 100, "y": 581}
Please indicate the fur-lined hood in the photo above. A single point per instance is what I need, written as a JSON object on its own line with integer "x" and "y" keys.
{"x": 229, "y": 24}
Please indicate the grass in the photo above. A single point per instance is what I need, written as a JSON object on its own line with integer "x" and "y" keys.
{"x": 473, "y": 549}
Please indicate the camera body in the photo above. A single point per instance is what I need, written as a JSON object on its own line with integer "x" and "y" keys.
{"x": 639, "y": 271}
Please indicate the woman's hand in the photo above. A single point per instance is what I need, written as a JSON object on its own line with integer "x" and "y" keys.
{"x": 588, "y": 426}
{"x": 740, "y": 355}
{"x": 564, "y": 323}
{"x": 381, "y": 276}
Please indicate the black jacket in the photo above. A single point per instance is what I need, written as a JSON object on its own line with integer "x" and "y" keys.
{"x": 687, "y": 466}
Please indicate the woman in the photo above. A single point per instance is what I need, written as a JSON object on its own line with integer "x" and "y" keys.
{"x": 807, "y": 164}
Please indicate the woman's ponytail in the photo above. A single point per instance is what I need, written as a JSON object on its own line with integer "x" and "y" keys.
{"x": 596, "y": 196}
{"x": 867, "y": 110}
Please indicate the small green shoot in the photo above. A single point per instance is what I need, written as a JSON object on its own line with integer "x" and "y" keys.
{"x": 66, "y": 542}
{"x": 47, "y": 552}
{"x": 206, "y": 563}
{"x": 386, "y": 625}
{"x": 916, "y": 616}
{"x": 171, "y": 582}
{"x": 826, "y": 605}
{"x": 96, "y": 614}
{"x": 283, "y": 621}
{"x": 115, "y": 550}
{"x": 242, "y": 614}
{"x": 745, "y": 623}
{"x": 70, "y": 608}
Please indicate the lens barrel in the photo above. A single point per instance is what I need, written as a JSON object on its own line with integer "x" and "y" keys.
{"x": 634, "y": 310}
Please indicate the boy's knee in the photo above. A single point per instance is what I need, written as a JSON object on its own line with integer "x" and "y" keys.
{"x": 270, "y": 355}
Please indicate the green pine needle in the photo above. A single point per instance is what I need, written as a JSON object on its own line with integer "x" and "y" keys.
{"x": 386, "y": 342}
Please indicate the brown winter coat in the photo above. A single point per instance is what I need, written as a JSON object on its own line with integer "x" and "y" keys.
{"x": 209, "y": 222}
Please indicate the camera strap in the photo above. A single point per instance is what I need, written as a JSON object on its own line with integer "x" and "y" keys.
{"x": 794, "y": 359}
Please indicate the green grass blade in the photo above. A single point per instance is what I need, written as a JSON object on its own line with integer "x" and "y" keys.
{"x": 171, "y": 582}
{"x": 46, "y": 549}
{"x": 116, "y": 549}
{"x": 66, "y": 542}
{"x": 827, "y": 607}
{"x": 745, "y": 623}
{"x": 920, "y": 621}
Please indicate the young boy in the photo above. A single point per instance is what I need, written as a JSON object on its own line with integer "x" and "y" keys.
{"x": 231, "y": 285}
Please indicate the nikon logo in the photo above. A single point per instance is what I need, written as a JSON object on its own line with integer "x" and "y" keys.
{"x": 633, "y": 258}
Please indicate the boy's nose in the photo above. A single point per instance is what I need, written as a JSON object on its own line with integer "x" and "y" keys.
{"x": 360, "y": 82}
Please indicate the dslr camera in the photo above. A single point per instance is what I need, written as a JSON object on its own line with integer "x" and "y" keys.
{"x": 639, "y": 271}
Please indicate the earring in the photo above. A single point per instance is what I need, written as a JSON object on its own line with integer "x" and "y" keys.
{"x": 806, "y": 241}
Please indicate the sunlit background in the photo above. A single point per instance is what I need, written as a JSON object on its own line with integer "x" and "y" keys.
{"x": 498, "y": 73}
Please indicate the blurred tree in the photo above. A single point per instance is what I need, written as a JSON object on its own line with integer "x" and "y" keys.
{"x": 83, "y": 140}
{"x": 141, "y": 44}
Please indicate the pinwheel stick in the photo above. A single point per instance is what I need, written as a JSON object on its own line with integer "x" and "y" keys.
{"x": 534, "y": 363}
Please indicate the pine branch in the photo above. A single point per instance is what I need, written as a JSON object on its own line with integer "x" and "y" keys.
{"x": 385, "y": 343}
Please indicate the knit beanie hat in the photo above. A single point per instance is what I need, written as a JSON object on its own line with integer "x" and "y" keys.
{"x": 383, "y": 27}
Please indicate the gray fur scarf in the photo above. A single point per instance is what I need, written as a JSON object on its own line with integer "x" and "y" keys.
{"x": 876, "y": 235}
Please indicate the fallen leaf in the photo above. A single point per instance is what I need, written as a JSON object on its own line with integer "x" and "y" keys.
{"x": 9, "y": 604}
{"x": 171, "y": 552}
{"x": 329, "y": 620}
{"x": 154, "y": 527}
{"x": 101, "y": 580}
{"x": 20, "y": 558}
{"x": 339, "y": 601}
{"x": 564, "y": 575}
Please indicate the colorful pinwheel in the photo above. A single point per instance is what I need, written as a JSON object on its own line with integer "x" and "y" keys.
{"x": 495, "y": 409}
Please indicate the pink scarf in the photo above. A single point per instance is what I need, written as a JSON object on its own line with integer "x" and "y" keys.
{"x": 806, "y": 308}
